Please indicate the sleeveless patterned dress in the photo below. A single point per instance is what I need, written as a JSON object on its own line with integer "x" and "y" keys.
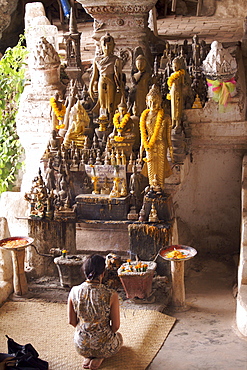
{"x": 93, "y": 336}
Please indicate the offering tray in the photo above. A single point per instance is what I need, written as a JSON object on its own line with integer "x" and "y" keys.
{"x": 187, "y": 252}
{"x": 12, "y": 242}
{"x": 17, "y": 245}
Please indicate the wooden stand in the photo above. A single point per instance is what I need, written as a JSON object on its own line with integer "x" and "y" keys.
{"x": 178, "y": 289}
{"x": 20, "y": 281}
{"x": 177, "y": 272}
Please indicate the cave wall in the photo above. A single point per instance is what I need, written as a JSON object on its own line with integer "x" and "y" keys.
{"x": 231, "y": 8}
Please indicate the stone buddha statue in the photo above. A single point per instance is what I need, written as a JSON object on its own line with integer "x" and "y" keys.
{"x": 140, "y": 79}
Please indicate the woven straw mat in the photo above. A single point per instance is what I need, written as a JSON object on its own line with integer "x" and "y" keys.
{"x": 45, "y": 326}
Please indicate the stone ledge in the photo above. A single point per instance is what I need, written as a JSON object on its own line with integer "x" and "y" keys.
{"x": 102, "y": 236}
{"x": 220, "y": 135}
{"x": 235, "y": 112}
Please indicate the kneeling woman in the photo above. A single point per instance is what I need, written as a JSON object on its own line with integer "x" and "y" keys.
{"x": 93, "y": 309}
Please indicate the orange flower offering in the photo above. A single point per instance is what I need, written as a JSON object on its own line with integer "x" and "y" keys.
{"x": 132, "y": 266}
{"x": 14, "y": 243}
{"x": 176, "y": 254}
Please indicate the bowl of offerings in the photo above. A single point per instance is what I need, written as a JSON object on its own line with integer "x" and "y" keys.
{"x": 177, "y": 253}
{"x": 16, "y": 242}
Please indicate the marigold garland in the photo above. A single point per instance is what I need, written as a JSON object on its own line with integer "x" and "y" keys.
{"x": 58, "y": 112}
{"x": 118, "y": 138}
{"x": 120, "y": 125}
{"x": 148, "y": 144}
{"x": 174, "y": 76}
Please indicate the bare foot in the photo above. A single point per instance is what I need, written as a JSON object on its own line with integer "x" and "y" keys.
{"x": 95, "y": 363}
{"x": 86, "y": 363}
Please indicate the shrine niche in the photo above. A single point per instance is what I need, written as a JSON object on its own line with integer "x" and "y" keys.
{"x": 117, "y": 142}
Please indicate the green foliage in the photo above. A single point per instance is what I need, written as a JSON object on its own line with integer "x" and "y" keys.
{"x": 12, "y": 76}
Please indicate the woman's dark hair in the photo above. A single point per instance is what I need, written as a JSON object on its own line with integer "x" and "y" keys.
{"x": 94, "y": 266}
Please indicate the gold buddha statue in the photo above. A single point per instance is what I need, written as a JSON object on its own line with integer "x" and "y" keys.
{"x": 79, "y": 120}
{"x": 155, "y": 129}
{"x": 106, "y": 81}
{"x": 122, "y": 137}
{"x": 176, "y": 83}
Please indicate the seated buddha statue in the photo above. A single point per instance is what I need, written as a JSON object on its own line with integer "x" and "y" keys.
{"x": 122, "y": 137}
{"x": 78, "y": 121}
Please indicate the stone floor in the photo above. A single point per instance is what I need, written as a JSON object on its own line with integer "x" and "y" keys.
{"x": 205, "y": 336}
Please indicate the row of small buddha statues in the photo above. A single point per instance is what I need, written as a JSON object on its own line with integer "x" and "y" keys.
{"x": 54, "y": 196}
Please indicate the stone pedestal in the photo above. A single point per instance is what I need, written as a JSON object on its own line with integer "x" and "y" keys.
{"x": 70, "y": 270}
{"x": 102, "y": 236}
{"x": 101, "y": 207}
{"x": 146, "y": 239}
{"x": 48, "y": 235}
{"x": 163, "y": 206}
{"x": 138, "y": 284}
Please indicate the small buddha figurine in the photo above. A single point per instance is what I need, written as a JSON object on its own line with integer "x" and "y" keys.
{"x": 115, "y": 189}
{"x": 153, "y": 216}
{"x": 155, "y": 185}
{"x": 78, "y": 121}
{"x": 58, "y": 111}
{"x": 54, "y": 142}
{"x": 50, "y": 176}
{"x": 123, "y": 158}
{"x": 98, "y": 158}
{"x": 196, "y": 52}
{"x": 176, "y": 83}
{"x": 105, "y": 188}
{"x": 197, "y": 103}
{"x": 123, "y": 191}
{"x": 142, "y": 214}
{"x": 118, "y": 158}
{"x": 107, "y": 160}
{"x": 62, "y": 200}
{"x": 122, "y": 137}
{"x": 113, "y": 158}
{"x": 135, "y": 185}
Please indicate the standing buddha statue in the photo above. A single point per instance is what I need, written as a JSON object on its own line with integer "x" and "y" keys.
{"x": 155, "y": 129}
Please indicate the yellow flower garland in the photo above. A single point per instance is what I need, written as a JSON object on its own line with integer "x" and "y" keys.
{"x": 58, "y": 112}
{"x": 174, "y": 76}
{"x": 148, "y": 144}
{"x": 119, "y": 138}
{"x": 120, "y": 125}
